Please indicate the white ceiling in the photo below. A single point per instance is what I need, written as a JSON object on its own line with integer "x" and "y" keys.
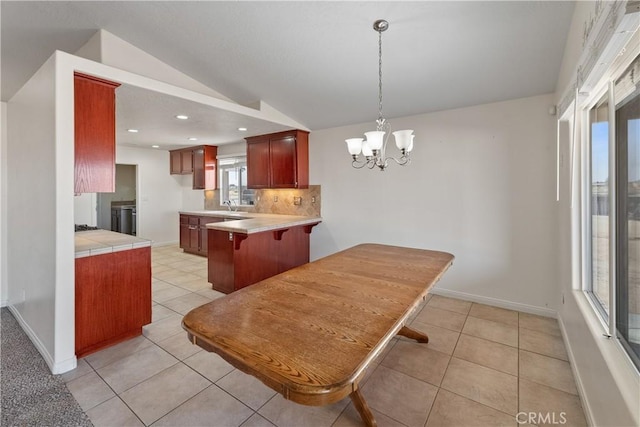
{"x": 314, "y": 61}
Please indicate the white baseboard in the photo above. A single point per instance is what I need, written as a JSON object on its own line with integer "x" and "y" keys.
{"x": 531, "y": 309}
{"x": 4, "y": 303}
{"x": 159, "y": 244}
{"x": 56, "y": 368}
{"x": 588, "y": 411}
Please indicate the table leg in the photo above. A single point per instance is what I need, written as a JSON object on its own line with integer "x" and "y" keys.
{"x": 363, "y": 408}
{"x": 413, "y": 334}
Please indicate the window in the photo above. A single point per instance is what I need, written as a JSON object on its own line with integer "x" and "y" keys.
{"x": 598, "y": 287}
{"x": 627, "y": 122}
{"x": 613, "y": 219}
{"x": 233, "y": 181}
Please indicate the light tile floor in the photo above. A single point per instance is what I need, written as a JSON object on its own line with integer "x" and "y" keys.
{"x": 482, "y": 366}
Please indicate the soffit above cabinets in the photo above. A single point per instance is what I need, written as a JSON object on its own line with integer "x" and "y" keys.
{"x": 153, "y": 115}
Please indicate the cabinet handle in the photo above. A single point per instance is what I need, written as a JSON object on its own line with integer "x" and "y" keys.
{"x": 192, "y": 227}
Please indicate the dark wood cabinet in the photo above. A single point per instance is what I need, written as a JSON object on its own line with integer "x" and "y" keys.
{"x": 258, "y": 166}
{"x": 193, "y": 233}
{"x": 278, "y": 160}
{"x": 200, "y": 161}
{"x": 112, "y": 298}
{"x": 237, "y": 260}
{"x": 95, "y": 134}
{"x": 204, "y": 167}
{"x": 181, "y": 162}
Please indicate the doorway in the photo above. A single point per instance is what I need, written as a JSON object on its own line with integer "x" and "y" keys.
{"x": 122, "y": 199}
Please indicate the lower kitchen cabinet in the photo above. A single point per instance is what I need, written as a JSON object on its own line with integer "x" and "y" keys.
{"x": 193, "y": 233}
{"x": 237, "y": 260}
{"x": 112, "y": 298}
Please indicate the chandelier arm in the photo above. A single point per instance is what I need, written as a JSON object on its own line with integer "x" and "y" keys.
{"x": 404, "y": 160}
{"x": 358, "y": 164}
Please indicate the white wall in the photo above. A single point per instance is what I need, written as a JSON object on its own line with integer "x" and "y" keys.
{"x": 31, "y": 208}
{"x": 609, "y": 386}
{"x": 160, "y": 194}
{"x": 84, "y": 209}
{"x": 4, "y": 287}
{"x": 481, "y": 186}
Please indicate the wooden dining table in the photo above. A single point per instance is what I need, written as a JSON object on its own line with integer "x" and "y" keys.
{"x": 311, "y": 332}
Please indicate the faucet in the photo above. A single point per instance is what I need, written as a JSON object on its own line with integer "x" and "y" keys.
{"x": 228, "y": 204}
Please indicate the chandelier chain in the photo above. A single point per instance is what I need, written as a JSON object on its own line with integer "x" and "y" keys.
{"x": 380, "y": 118}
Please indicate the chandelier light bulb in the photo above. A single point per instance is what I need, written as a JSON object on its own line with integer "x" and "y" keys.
{"x": 366, "y": 150}
{"x": 354, "y": 145}
{"x": 403, "y": 138}
{"x": 375, "y": 139}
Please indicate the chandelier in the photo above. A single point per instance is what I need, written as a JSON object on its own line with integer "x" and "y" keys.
{"x": 374, "y": 146}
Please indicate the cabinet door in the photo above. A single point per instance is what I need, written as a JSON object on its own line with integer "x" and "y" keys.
{"x": 194, "y": 234}
{"x": 204, "y": 167}
{"x": 186, "y": 162}
{"x": 184, "y": 232}
{"x": 198, "y": 168}
{"x": 175, "y": 162}
{"x": 258, "y": 164}
{"x": 132, "y": 289}
{"x": 283, "y": 162}
{"x": 95, "y": 134}
{"x": 204, "y": 243}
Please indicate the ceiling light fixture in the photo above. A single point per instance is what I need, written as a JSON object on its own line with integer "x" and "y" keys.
{"x": 155, "y": 146}
{"x": 242, "y": 129}
{"x": 374, "y": 147}
{"x": 182, "y": 117}
{"x": 132, "y": 130}
{"x": 193, "y": 139}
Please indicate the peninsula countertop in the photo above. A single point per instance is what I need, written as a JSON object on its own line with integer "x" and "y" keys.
{"x": 98, "y": 242}
{"x": 250, "y": 222}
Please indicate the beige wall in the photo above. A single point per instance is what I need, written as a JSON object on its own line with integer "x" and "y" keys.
{"x": 481, "y": 185}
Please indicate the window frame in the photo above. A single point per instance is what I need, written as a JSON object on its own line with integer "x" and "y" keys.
{"x": 587, "y": 283}
{"x": 608, "y": 320}
{"x": 239, "y": 158}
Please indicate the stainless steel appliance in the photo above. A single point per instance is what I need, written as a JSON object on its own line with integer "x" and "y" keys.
{"x": 123, "y": 219}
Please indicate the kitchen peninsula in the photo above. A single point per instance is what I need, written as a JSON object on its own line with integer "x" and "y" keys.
{"x": 244, "y": 248}
{"x": 112, "y": 288}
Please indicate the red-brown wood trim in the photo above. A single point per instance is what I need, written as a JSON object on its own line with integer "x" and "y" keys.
{"x": 308, "y": 227}
{"x": 277, "y": 234}
{"x": 237, "y": 239}
{"x": 96, "y": 79}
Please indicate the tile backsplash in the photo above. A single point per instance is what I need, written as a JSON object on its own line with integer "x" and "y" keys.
{"x": 276, "y": 201}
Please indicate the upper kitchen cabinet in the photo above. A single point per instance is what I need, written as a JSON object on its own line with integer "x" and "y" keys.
{"x": 204, "y": 167}
{"x": 278, "y": 160}
{"x": 95, "y": 134}
{"x": 181, "y": 161}
{"x": 200, "y": 160}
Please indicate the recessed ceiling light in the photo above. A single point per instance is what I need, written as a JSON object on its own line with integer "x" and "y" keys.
{"x": 193, "y": 139}
{"x": 132, "y": 130}
{"x": 182, "y": 117}
{"x": 155, "y": 146}
{"x": 242, "y": 129}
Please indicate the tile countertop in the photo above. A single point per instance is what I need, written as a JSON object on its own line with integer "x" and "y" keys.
{"x": 236, "y": 214}
{"x": 98, "y": 242}
{"x": 250, "y": 222}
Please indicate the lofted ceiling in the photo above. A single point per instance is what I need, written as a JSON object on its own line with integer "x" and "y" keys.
{"x": 314, "y": 61}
